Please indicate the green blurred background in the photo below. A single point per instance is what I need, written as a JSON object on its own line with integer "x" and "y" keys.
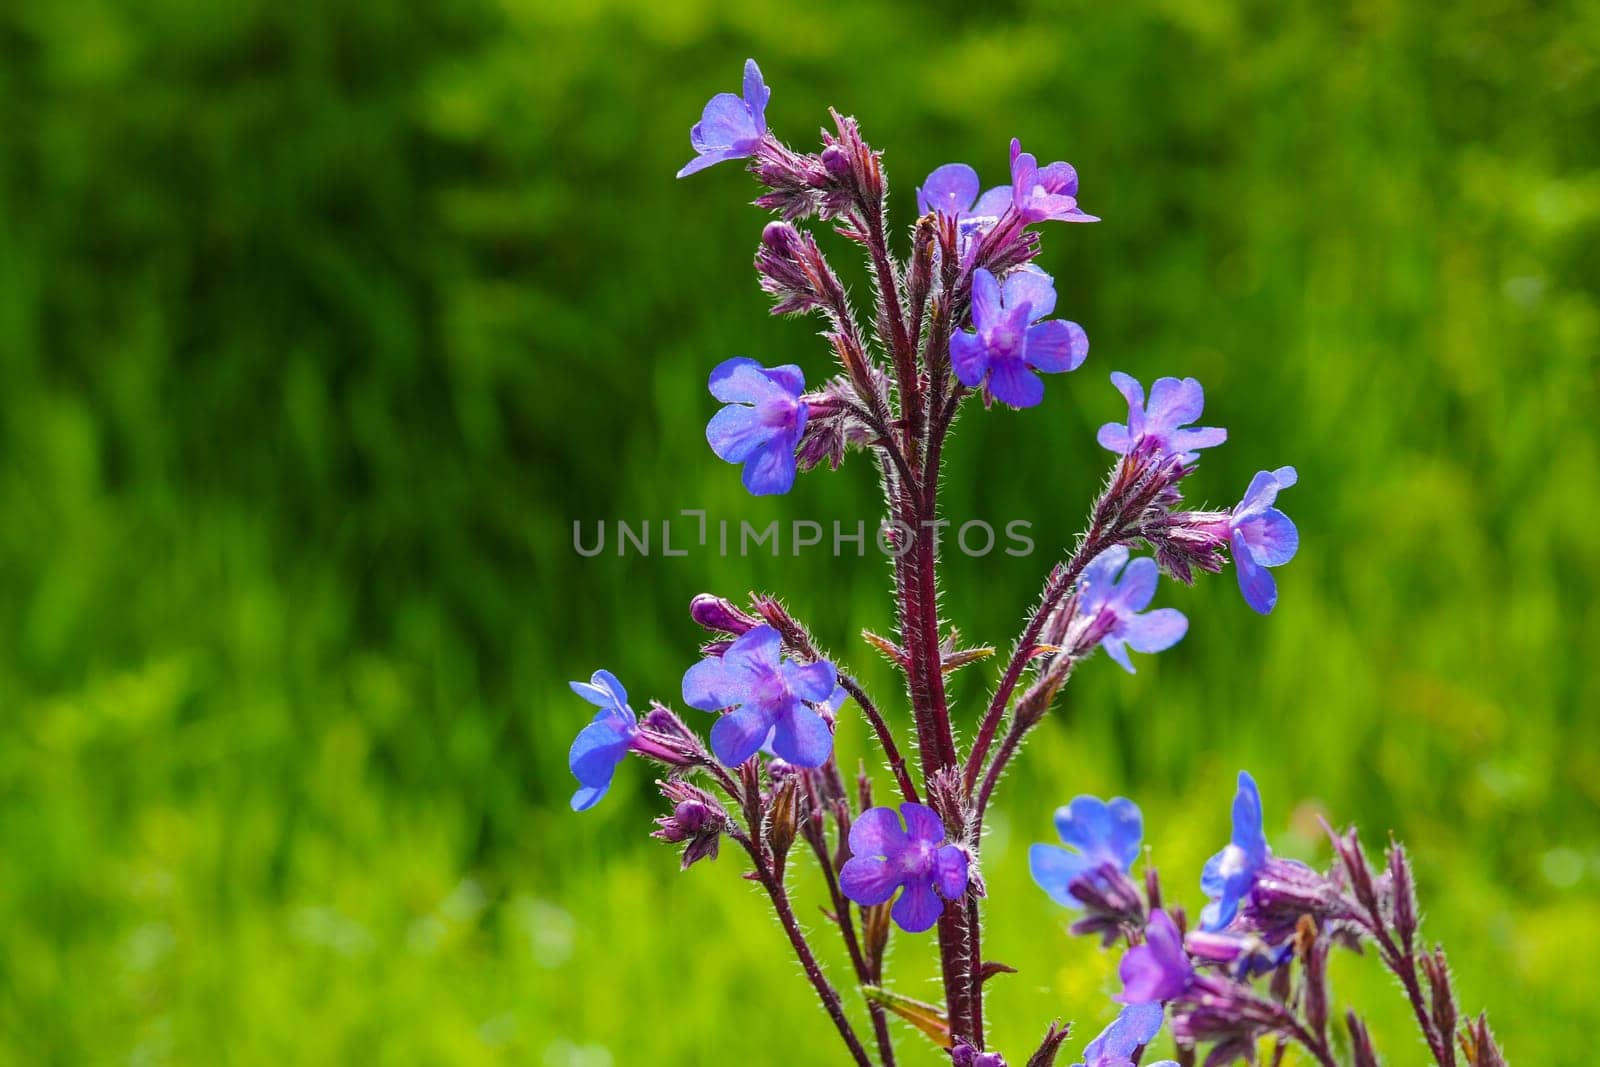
{"x": 321, "y": 323}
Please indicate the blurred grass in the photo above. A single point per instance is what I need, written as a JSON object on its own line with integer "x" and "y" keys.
{"x": 320, "y": 324}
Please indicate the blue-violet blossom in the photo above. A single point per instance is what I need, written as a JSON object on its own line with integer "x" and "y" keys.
{"x": 1135, "y": 1027}
{"x": 953, "y": 190}
{"x": 1098, "y": 833}
{"x": 1159, "y": 969}
{"x": 730, "y": 127}
{"x": 1114, "y": 606}
{"x": 1231, "y": 874}
{"x": 1174, "y": 403}
{"x": 885, "y": 857}
{"x": 1009, "y": 342}
{"x": 1044, "y": 193}
{"x": 602, "y": 744}
{"x": 762, "y": 424}
{"x": 1262, "y": 537}
{"x": 768, "y": 696}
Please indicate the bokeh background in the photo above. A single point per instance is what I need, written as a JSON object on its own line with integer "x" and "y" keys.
{"x": 320, "y": 324}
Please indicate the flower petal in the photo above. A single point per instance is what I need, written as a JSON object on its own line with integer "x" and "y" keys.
{"x": 588, "y": 796}
{"x": 1137, "y": 586}
{"x": 1031, "y": 286}
{"x": 918, "y": 908}
{"x": 1085, "y": 824}
{"x": 1127, "y": 830}
{"x": 1187, "y": 442}
{"x": 1117, "y": 649}
{"x": 708, "y": 686}
{"x": 1174, "y": 402}
{"x": 739, "y": 735}
{"x": 756, "y": 94}
{"x": 1059, "y": 177}
{"x": 1260, "y": 589}
{"x": 922, "y": 823}
{"x": 868, "y": 880}
{"x": 770, "y": 470}
{"x": 1013, "y": 382}
{"x": 1135, "y": 1026}
{"x": 1113, "y": 437}
{"x": 1247, "y": 821}
{"x": 602, "y": 690}
{"x": 741, "y": 380}
{"x": 597, "y": 750}
{"x": 1053, "y": 869}
{"x": 986, "y": 302}
{"x": 949, "y": 190}
{"x": 1259, "y": 496}
{"x": 801, "y": 737}
{"x": 1155, "y": 631}
{"x": 1056, "y": 346}
{"x": 726, "y": 122}
{"x": 877, "y": 832}
{"x": 754, "y": 653}
{"x": 993, "y": 203}
{"x": 968, "y": 358}
{"x": 736, "y": 432}
{"x": 710, "y": 158}
{"x": 811, "y": 681}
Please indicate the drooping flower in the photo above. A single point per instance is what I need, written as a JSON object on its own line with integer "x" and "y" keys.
{"x": 602, "y": 744}
{"x": 1114, "y": 607}
{"x": 1262, "y": 537}
{"x": 915, "y": 859}
{"x": 953, "y": 190}
{"x": 1044, "y": 193}
{"x": 731, "y": 126}
{"x": 762, "y": 423}
{"x": 1159, "y": 969}
{"x": 769, "y": 698}
{"x": 1136, "y": 1026}
{"x": 1231, "y": 874}
{"x": 1174, "y": 403}
{"x": 1097, "y": 834}
{"x": 1009, "y": 343}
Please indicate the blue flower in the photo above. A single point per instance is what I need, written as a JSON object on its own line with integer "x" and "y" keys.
{"x": 730, "y": 127}
{"x": 1134, "y": 1028}
{"x": 1114, "y": 606}
{"x": 602, "y": 744}
{"x": 1009, "y": 343}
{"x": 885, "y": 858}
{"x": 1262, "y": 537}
{"x": 1043, "y": 193}
{"x": 1173, "y": 405}
{"x": 768, "y": 699}
{"x": 953, "y": 190}
{"x": 1231, "y": 874}
{"x": 762, "y": 423}
{"x": 1098, "y": 834}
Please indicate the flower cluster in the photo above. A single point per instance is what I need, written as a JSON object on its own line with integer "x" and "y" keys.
{"x": 970, "y": 314}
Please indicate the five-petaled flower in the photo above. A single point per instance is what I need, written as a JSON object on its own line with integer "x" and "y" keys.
{"x": 1159, "y": 969}
{"x": 1044, "y": 193}
{"x": 1135, "y": 1027}
{"x": 1174, "y": 403}
{"x": 885, "y": 857}
{"x": 1098, "y": 834}
{"x": 762, "y": 424}
{"x": 1112, "y": 607}
{"x": 730, "y": 127}
{"x": 1231, "y": 874}
{"x": 769, "y": 698}
{"x": 602, "y": 744}
{"x": 1262, "y": 537}
{"x": 1009, "y": 343}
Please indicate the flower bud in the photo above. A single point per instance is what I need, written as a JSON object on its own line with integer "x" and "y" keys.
{"x": 718, "y": 615}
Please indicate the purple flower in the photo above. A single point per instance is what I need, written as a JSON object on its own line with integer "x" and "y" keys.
{"x": 1098, "y": 834}
{"x": 762, "y": 423}
{"x": 1005, "y": 348}
{"x": 1246, "y": 954}
{"x": 1134, "y": 1028}
{"x": 953, "y": 190}
{"x": 1262, "y": 537}
{"x": 602, "y": 744}
{"x": 964, "y": 1055}
{"x": 1114, "y": 607}
{"x": 885, "y": 858}
{"x": 1173, "y": 404}
{"x": 730, "y": 127}
{"x": 1231, "y": 874}
{"x": 768, "y": 696}
{"x": 1157, "y": 970}
{"x": 1040, "y": 194}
